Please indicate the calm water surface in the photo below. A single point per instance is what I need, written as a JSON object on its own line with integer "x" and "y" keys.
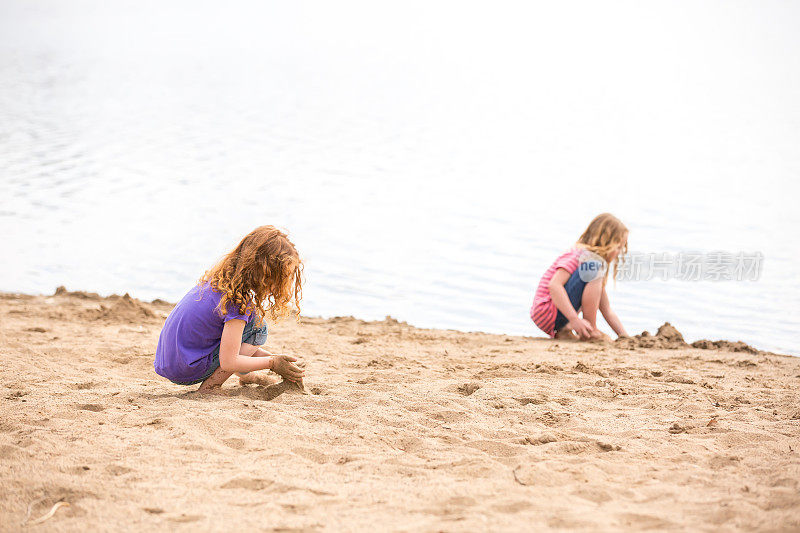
{"x": 430, "y": 162}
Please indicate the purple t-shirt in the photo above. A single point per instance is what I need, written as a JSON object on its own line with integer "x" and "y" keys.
{"x": 192, "y": 331}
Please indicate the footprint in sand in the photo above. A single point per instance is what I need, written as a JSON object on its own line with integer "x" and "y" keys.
{"x": 311, "y": 455}
{"x": 452, "y": 506}
{"x": 235, "y": 443}
{"x": 536, "y": 399}
{"x": 185, "y": 518}
{"x": 643, "y": 521}
{"x": 117, "y": 470}
{"x": 544, "y": 438}
{"x": 7, "y": 427}
{"x": 468, "y": 388}
{"x": 449, "y": 416}
{"x": 7, "y": 451}
{"x": 83, "y": 385}
{"x": 593, "y": 495}
{"x": 92, "y": 407}
{"x": 513, "y": 507}
{"x": 541, "y": 475}
{"x": 721, "y": 461}
{"x": 560, "y": 443}
{"x": 77, "y": 470}
{"x": 496, "y": 448}
{"x": 248, "y": 484}
{"x": 567, "y": 522}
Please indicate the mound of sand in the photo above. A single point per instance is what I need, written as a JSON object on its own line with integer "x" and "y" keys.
{"x": 669, "y": 338}
{"x": 401, "y": 429}
{"x": 737, "y": 346}
{"x": 123, "y": 309}
{"x": 62, "y": 291}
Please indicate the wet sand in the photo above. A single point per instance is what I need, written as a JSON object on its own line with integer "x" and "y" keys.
{"x": 398, "y": 428}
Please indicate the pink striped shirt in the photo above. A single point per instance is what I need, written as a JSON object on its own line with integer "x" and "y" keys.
{"x": 544, "y": 311}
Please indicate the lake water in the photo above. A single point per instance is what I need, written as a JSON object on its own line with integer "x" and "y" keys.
{"x": 429, "y": 161}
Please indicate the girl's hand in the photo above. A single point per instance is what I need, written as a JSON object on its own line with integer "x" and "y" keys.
{"x": 582, "y": 327}
{"x": 284, "y": 366}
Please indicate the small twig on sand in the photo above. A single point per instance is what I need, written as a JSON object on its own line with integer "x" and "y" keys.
{"x": 516, "y": 478}
{"x": 30, "y": 509}
{"x": 50, "y": 513}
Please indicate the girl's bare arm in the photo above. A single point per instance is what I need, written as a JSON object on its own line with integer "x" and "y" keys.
{"x": 231, "y": 360}
{"x": 230, "y": 345}
{"x": 610, "y": 316}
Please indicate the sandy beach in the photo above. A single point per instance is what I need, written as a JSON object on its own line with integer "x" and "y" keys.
{"x": 398, "y": 428}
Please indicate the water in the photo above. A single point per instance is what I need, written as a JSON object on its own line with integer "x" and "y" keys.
{"x": 429, "y": 161}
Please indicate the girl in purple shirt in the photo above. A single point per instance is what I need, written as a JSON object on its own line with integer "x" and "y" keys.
{"x": 217, "y": 328}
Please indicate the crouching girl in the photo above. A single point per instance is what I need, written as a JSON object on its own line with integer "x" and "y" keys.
{"x": 218, "y": 327}
{"x": 576, "y": 283}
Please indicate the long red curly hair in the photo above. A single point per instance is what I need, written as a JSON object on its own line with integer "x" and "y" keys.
{"x": 262, "y": 274}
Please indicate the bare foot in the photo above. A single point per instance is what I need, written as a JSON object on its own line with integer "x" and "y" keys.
{"x": 566, "y": 334}
{"x": 204, "y": 389}
{"x": 258, "y": 378}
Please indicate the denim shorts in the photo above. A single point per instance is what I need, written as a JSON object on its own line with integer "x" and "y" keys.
{"x": 252, "y": 334}
{"x": 574, "y": 287}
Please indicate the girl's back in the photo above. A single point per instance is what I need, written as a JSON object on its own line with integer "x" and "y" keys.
{"x": 192, "y": 330}
{"x": 543, "y": 312}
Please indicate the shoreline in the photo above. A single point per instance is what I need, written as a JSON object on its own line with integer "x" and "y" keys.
{"x": 399, "y": 428}
{"x": 666, "y": 335}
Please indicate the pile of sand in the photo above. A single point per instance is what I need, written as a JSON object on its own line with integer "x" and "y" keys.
{"x": 123, "y": 309}
{"x": 731, "y": 346}
{"x": 669, "y": 338}
{"x": 62, "y": 291}
{"x": 113, "y": 308}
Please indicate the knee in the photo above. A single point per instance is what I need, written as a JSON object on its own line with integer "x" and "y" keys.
{"x": 260, "y": 335}
{"x": 254, "y": 334}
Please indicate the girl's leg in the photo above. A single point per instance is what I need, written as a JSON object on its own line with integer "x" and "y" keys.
{"x": 590, "y": 302}
{"x": 253, "y": 334}
{"x": 574, "y": 287}
{"x": 253, "y": 337}
{"x": 213, "y": 383}
{"x": 247, "y": 349}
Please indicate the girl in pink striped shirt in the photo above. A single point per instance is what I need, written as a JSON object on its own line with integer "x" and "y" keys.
{"x": 577, "y": 282}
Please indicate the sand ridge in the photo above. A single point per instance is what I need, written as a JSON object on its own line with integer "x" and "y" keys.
{"x": 399, "y": 429}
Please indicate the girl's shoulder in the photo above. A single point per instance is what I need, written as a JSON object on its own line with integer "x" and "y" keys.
{"x": 203, "y": 290}
{"x": 569, "y": 259}
{"x": 203, "y": 294}
{"x": 574, "y": 251}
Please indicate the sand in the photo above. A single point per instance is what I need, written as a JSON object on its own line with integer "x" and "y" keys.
{"x": 398, "y": 429}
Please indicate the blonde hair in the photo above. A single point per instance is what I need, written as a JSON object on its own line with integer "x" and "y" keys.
{"x": 605, "y": 235}
{"x": 262, "y": 274}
